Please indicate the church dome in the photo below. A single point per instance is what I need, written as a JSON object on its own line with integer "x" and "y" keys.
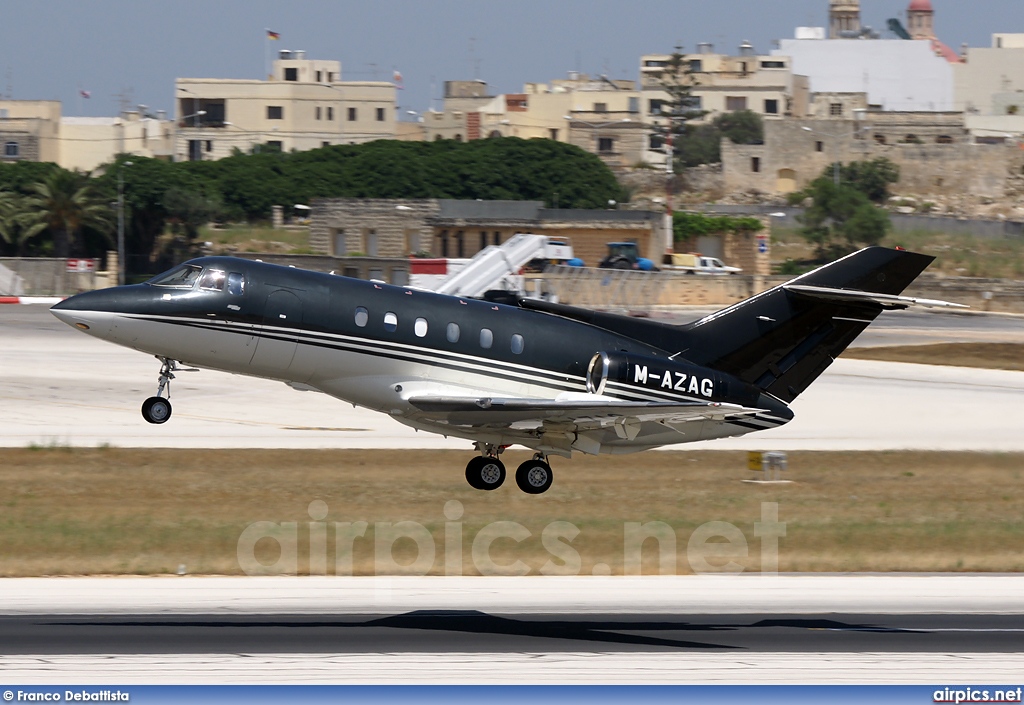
{"x": 920, "y": 6}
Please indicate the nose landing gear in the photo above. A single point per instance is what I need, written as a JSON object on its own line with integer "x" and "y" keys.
{"x": 157, "y": 409}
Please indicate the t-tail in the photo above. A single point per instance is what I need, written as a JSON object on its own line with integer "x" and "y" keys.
{"x": 783, "y": 339}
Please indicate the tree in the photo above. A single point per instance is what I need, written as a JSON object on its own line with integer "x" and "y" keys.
{"x": 870, "y": 178}
{"x": 741, "y": 126}
{"x": 840, "y": 218}
{"x": 64, "y": 203}
{"x": 677, "y": 80}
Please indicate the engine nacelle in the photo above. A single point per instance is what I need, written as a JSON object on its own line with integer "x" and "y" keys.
{"x": 682, "y": 380}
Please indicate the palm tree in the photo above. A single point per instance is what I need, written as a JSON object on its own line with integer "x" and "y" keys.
{"x": 12, "y": 229}
{"x": 64, "y": 203}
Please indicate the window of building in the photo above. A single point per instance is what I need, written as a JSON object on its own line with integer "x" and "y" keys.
{"x": 494, "y": 134}
{"x": 606, "y": 145}
{"x": 390, "y": 322}
{"x": 652, "y": 63}
{"x": 325, "y": 143}
{"x": 771, "y": 106}
{"x": 195, "y": 150}
{"x": 773, "y": 64}
{"x": 352, "y": 114}
{"x": 634, "y": 104}
{"x": 880, "y": 139}
{"x": 696, "y": 65}
{"x": 600, "y": 107}
{"x": 695, "y": 102}
{"x": 275, "y": 146}
{"x": 209, "y": 145}
{"x": 330, "y": 113}
{"x": 755, "y": 165}
{"x": 275, "y": 112}
{"x": 497, "y": 238}
{"x": 420, "y": 327}
{"x": 452, "y": 332}
{"x": 339, "y": 242}
{"x": 553, "y": 133}
{"x": 330, "y": 77}
{"x": 444, "y": 243}
{"x": 835, "y": 109}
{"x": 318, "y": 75}
{"x": 486, "y": 338}
{"x": 654, "y": 106}
{"x": 10, "y": 149}
{"x": 819, "y": 146}
{"x": 458, "y": 137}
{"x": 371, "y": 242}
{"x": 517, "y": 344}
{"x": 734, "y": 103}
{"x": 291, "y": 74}
{"x": 460, "y": 245}
{"x": 380, "y": 114}
{"x": 656, "y": 143}
{"x": 483, "y": 239}
{"x": 944, "y": 139}
{"x": 319, "y": 114}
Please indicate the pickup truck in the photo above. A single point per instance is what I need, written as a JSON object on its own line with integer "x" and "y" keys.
{"x": 699, "y": 264}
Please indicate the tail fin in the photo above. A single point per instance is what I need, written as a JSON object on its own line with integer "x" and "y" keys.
{"x": 783, "y": 339}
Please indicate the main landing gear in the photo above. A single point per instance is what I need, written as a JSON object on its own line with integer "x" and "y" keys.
{"x": 158, "y": 409}
{"x": 486, "y": 472}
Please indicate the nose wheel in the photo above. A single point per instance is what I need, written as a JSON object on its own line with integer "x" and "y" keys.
{"x": 157, "y": 409}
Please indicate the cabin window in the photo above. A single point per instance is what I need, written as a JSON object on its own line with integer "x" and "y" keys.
{"x": 486, "y": 338}
{"x": 390, "y": 322}
{"x": 182, "y": 277}
{"x": 420, "y": 327}
{"x": 453, "y": 332}
{"x": 517, "y": 344}
{"x": 212, "y": 279}
{"x": 236, "y": 284}
{"x": 362, "y": 316}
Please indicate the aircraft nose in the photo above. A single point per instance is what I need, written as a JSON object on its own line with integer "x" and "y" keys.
{"x": 91, "y": 312}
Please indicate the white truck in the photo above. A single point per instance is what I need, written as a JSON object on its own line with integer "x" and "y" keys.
{"x": 699, "y": 264}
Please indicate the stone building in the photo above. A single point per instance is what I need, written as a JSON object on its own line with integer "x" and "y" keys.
{"x": 303, "y": 105}
{"x": 844, "y": 19}
{"x": 933, "y": 150}
{"x": 458, "y": 229}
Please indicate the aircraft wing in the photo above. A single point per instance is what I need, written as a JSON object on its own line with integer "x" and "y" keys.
{"x": 581, "y": 412}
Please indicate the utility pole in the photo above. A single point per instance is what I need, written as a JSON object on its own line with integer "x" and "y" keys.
{"x": 120, "y": 223}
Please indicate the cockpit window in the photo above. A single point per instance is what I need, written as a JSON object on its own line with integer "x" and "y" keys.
{"x": 236, "y": 284}
{"x": 212, "y": 279}
{"x": 183, "y": 277}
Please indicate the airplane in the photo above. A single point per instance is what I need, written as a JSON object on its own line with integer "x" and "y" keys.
{"x": 551, "y": 377}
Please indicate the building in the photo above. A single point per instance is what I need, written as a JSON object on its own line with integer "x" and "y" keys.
{"x": 453, "y": 228}
{"x": 844, "y": 19}
{"x": 600, "y": 115}
{"x": 721, "y": 84}
{"x": 934, "y": 152}
{"x": 990, "y": 88}
{"x": 303, "y": 105}
{"x": 35, "y": 130}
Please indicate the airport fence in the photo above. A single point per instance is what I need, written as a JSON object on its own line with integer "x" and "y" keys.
{"x": 44, "y": 276}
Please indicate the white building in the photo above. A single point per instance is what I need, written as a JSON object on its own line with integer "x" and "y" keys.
{"x": 304, "y": 105}
{"x": 895, "y": 74}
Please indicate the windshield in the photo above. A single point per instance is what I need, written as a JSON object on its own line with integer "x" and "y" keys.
{"x": 183, "y": 277}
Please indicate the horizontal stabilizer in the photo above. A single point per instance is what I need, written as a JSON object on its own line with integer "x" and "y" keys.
{"x": 889, "y": 301}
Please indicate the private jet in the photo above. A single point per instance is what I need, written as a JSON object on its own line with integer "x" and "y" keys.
{"x": 554, "y": 378}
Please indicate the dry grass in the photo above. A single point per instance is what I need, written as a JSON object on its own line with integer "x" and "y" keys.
{"x": 989, "y": 356}
{"x": 251, "y": 238}
{"x": 120, "y": 511}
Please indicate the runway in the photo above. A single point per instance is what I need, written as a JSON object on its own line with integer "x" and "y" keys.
{"x": 64, "y": 388}
{"x": 696, "y": 629}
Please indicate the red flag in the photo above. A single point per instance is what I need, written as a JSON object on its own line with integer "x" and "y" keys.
{"x": 398, "y": 79}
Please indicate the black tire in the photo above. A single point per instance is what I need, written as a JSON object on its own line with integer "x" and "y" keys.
{"x": 534, "y": 477}
{"x": 621, "y": 264}
{"x": 484, "y": 473}
{"x": 156, "y": 410}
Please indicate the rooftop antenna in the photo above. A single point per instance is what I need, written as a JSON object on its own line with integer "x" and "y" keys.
{"x": 473, "y": 60}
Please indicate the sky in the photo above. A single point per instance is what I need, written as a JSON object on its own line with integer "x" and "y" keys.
{"x": 129, "y": 52}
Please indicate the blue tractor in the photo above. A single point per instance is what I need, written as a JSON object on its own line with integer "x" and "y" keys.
{"x": 626, "y": 255}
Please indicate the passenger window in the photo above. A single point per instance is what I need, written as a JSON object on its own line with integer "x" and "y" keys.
{"x": 420, "y": 327}
{"x": 486, "y": 338}
{"x": 453, "y": 332}
{"x": 362, "y": 316}
{"x": 517, "y": 344}
{"x": 236, "y": 284}
{"x": 212, "y": 279}
{"x": 390, "y": 322}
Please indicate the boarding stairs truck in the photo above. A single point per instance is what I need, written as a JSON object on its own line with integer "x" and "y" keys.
{"x": 499, "y": 266}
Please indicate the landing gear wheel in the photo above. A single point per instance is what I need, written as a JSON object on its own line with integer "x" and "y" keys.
{"x": 534, "y": 476}
{"x": 485, "y": 473}
{"x": 156, "y": 410}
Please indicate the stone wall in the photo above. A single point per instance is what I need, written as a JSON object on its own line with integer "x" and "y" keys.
{"x": 792, "y": 157}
